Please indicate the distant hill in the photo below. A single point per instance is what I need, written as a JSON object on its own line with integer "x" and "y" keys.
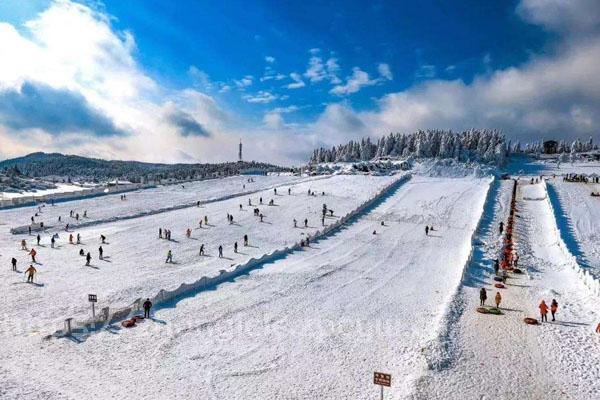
{"x": 77, "y": 167}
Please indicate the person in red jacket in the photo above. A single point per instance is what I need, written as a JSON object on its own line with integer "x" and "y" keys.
{"x": 544, "y": 310}
{"x": 553, "y": 308}
{"x": 598, "y": 328}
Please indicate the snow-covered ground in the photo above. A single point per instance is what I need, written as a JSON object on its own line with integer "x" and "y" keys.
{"x": 60, "y": 188}
{"x": 143, "y": 201}
{"x": 579, "y": 219}
{"x": 315, "y": 324}
{"x": 500, "y": 357}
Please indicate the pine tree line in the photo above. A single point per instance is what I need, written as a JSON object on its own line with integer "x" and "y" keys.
{"x": 487, "y": 146}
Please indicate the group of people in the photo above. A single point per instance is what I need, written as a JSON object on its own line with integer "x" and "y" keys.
{"x": 428, "y": 229}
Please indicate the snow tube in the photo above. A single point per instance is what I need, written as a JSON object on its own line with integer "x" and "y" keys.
{"x": 482, "y": 310}
{"x": 530, "y": 321}
{"x": 499, "y": 286}
{"x": 517, "y": 271}
{"x": 130, "y": 323}
{"x": 498, "y": 279}
{"x": 137, "y": 318}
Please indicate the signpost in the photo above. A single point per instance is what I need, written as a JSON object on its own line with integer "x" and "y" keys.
{"x": 92, "y": 298}
{"x": 382, "y": 380}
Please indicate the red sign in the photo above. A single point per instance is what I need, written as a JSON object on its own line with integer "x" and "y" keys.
{"x": 382, "y": 379}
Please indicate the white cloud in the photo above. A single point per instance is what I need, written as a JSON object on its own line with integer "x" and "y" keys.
{"x": 354, "y": 83}
{"x": 262, "y": 97}
{"x": 314, "y": 51}
{"x": 270, "y": 59}
{"x": 274, "y": 120}
{"x": 243, "y": 83}
{"x": 385, "y": 72}
{"x": 298, "y": 82}
{"x": 426, "y": 71}
{"x": 318, "y": 71}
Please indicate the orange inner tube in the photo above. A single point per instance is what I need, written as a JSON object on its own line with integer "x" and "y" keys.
{"x": 499, "y": 286}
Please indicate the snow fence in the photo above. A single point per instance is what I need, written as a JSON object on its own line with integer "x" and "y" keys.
{"x": 588, "y": 279}
{"x": 109, "y": 316}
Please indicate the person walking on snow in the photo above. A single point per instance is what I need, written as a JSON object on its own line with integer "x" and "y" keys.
{"x": 147, "y": 306}
{"x": 188, "y": 233}
{"x": 169, "y": 257}
{"x": 23, "y": 245}
{"x": 103, "y": 238}
{"x": 39, "y": 238}
{"x": 426, "y": 230}
{"x": 205, "y": 220}
{"x": 33, "y": 253}
{"x": 100, "y": 252}
{"x": 553, "y": 308}
{"x": 160, "y": 233}
{"x": 88, "y": 259}
{"x": 498, "y": 299}
{"x": 295, "y": 223}
{"x": 482, "y": 297}
{"x": 13, "y": 262}
{"x": 245, "y": 240}
{"x": 71, "y": 238}
{"x": 78, "y": 238}
{"x": 220, "y": 251}
{"x": 235, "y": 247}
{"x": 201, "y": 253}
{"x": 305, "y": 222}
{"x": 501, "y": 227}
{"x": 543, "y": 310}
{"x": 30, "y": 272}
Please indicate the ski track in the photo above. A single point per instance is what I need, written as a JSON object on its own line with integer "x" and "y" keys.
{"x": 500, "y": 357}
{"x": 340, "y": 304}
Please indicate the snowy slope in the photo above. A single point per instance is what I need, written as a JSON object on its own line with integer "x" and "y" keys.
{"x": 579, "y": 220}
{"x": 142, "y": 201}
{"x": 500, "y": 357}
{"x": 315, "y": 324}
{"x": 134, "y": 264}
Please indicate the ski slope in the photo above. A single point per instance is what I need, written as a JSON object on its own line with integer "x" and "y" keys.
{"x": 500, "y": 357}
{"x": 314, "y": 324}
{"x": 144, "y": 201}
{"x": 579, "y": 220}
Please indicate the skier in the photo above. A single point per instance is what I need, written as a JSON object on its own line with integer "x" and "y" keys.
{"x": 33, "y": 253}
{"x": 295, "y": 223}
{"x": 306, "y": 222}
{"x": 29, "y": 228}
{"x": 245, "y": 240}
{"x": 543, "y": 310}
{"x": 241, "y": 208}
{"x": 169, "y": 257}
{"x": 289, "y": 191}
{"x": 275, "y": 191}
{"x": 235, "y": 246}
{"x": 78, "y": 238}
{"x": 553, "y": 308}
{"x": 100, "y": 252}
{"x": 160, "y": 233}
{"x": 103, "y": 238}
{"x": 13, "y": 262}
{"x": 38, "y": 239}
{"x": 482, "y": 297}
{"x": 88, "y": 259}
{"x": 249, "y": 202}
{"x": 220, "y": 251}
{"x": 261, "y": 217}
{"x": 498, "y": 299}
{"x": 30, "y": 273}
{"x": 260, "y": 200}
{"x": 52, "y": 241}
{"x": 85, "y": 214}
{"x": 198, "y": 203}
{"x": 501, "y": 228}
{"x": 200, "y": 224}
{"x": 147, "y": 306}
{"x": 426, "y": 230}
{"x": 201, "y": 253}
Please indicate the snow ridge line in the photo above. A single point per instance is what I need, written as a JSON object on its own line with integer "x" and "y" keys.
{"x": 35, "y": 227}
{"x": 438, "y": 353}
{"x": 108, "y": 317}
{"x": 588, "y": 279}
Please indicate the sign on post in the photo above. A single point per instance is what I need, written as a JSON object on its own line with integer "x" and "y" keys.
{"x": 92, "y": 298}
{"x": 381, "y": 379}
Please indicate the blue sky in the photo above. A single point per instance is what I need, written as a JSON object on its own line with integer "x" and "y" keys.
{"x": 194, "y": 77}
